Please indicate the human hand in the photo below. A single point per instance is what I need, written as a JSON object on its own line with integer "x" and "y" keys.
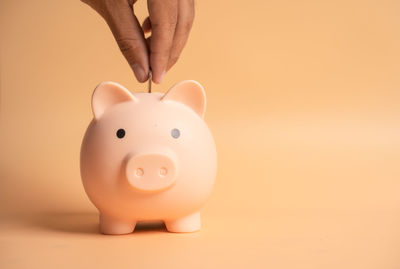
{"x": 169, "y": 22}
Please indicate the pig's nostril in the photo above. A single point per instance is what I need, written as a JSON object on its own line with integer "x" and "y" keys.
{"x": 163, "y": 172}
{"x": 139, "y": 172}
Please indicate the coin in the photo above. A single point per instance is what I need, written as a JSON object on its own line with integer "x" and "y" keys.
{"x": 150, "y": 78}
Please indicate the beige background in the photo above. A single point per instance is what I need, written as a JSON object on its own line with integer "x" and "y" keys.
{"x": 304, "y": 104}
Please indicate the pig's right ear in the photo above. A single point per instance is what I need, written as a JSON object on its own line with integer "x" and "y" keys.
{"x": 108, "y": 94}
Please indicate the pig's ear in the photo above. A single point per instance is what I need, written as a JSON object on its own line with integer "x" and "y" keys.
{"x": 108, "y": 94}
{"x": 189, "y": 93}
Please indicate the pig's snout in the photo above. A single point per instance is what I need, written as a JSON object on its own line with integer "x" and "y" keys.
{"x": 151, "y": 172}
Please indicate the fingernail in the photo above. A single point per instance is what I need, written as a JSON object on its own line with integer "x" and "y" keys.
{"x": 139, "y": 72}
{"x": 161, "y": 77}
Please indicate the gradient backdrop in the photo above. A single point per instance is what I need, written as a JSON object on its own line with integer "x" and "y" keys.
{"x": 304, "y": 104}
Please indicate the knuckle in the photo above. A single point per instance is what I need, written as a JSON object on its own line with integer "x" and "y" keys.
{"x": 166, "y": 19}
{"x": 173, "y": 59}
{"x": 165, "y": 25}
{"x": 127, "y": 44}
{"x": 187, "y": 25}
{"x": 161, "y": 54}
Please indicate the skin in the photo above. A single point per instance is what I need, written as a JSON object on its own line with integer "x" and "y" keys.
{"x": 169, "y": 24}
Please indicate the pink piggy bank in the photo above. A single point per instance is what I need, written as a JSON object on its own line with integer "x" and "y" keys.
{"x": 148, "y": 157}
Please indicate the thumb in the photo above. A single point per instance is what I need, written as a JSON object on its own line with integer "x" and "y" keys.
{"x": 130, "y": 38}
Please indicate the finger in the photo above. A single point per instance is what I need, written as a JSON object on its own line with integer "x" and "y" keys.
{"x": 148, "y": 42}
{"x": 146, "y": 26}
{"x": 183, "y": 26}
{"x": 163, "y": 17}
{"x": 130, "y": 38}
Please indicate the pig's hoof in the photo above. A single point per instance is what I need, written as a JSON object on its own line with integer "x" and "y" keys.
{"x": 111, "y": 226}
{"x": 186, "y": 224}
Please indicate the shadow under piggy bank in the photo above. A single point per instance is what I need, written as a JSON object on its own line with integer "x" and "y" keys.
{"x": 85, "y": 223}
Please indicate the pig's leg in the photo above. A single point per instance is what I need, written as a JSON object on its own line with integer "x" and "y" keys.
{"x": 187, "y": 224}
{"x": 111, "y": 225}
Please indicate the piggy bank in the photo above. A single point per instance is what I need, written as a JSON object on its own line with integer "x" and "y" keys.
{"x": 148, "y": 157}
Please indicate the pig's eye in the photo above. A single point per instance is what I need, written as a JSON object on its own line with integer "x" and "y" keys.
{"x": 120, "y": 133}
{"x": 175, "y": 133}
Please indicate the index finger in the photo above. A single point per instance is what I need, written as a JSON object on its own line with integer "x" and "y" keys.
{"x": 163, "y": 16}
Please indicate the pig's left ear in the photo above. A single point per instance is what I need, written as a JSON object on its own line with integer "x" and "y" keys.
{"x": 108, "y": 94}
{"x": 189, "y": 93}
